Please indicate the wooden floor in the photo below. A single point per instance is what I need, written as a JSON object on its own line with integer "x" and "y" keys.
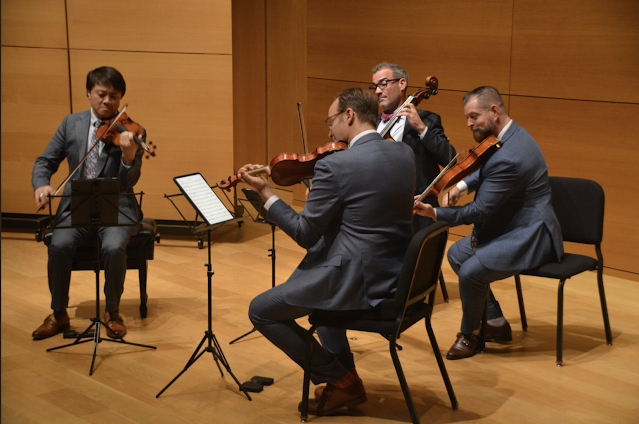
{"x": 516, "y": 382}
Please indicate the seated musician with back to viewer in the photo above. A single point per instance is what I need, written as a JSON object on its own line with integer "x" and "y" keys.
{"x": 356, "y": 226}
{"x": 73, "y": 139}
{"x": 515, "y": 227}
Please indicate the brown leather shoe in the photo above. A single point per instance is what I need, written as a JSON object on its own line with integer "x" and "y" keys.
{"x": 115, "y": 325}
{"x": 498, "y": 333}
{"x": 333, "y": 399}
{"x": 464, "y": 347}
{"x": 318, "y": 390}
{"x": 52, "y": 325}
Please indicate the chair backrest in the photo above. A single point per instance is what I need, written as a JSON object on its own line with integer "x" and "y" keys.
{"x": 579, "y": 206}
{"x": 422, "y": 264}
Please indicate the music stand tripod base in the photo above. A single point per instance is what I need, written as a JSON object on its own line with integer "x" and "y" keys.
{"x": 213, "y": 345}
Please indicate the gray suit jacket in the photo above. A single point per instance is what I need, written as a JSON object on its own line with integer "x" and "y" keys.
{"x": 515, "y": 223}
{"x": 356, "y": 225}
{"x": 70, "y": 142}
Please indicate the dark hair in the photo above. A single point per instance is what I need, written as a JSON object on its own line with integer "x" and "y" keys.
{"x": 486, "y": 96}
{"x": 362, "y": 101}
{"x": 108, "y": 77}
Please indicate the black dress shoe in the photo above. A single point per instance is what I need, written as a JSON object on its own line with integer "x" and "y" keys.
{"x": 498, "y": 333}
{"x": 464, "y": 347}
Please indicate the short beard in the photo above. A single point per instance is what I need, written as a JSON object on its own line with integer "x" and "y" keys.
{"x": 481, "y": 133}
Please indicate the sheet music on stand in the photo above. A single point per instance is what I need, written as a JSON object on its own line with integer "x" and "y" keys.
{"x": 203, "y": 199}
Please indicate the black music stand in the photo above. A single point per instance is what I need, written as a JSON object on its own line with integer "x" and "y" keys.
{"x": 210, "y": 208}
{"x": 254, "y": 198}
{"x": 94, "y": 203}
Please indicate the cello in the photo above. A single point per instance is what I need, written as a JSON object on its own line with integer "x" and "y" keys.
{"x": 432, "y": 84}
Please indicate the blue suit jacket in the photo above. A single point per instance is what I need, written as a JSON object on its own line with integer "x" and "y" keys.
{"x": 356, "y": 225}
{"x": 515, "y": 223}
{"x": 70, "y": 142}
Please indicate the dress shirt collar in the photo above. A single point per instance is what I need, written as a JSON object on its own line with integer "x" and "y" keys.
{"x": 503, "y": 131}
{"x": 358, "y": 136}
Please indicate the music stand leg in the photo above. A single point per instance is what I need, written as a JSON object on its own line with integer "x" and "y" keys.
{"x": 272, "y": 255}
{"x": 213, "y": 345}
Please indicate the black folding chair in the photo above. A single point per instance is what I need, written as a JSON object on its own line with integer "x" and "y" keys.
{"x": 579, "y": 206}
{"x": 413, "y": 301}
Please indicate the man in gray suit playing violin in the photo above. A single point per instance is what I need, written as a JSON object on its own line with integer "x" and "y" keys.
{"x": 515, "y": 227}
{"x": 356, "y": 226}
{"x": 73, "y": 139}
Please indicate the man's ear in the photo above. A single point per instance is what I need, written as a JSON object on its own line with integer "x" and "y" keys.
{"x": 494, "y": 113}
{"x": 402, "y": 84}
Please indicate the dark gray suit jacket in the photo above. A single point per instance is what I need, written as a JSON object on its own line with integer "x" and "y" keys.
{"x": 515, "y": 223}
{"x": 70, "y": 142}
{"x": 356, "y": 225}
{"x": 430, "y": 153}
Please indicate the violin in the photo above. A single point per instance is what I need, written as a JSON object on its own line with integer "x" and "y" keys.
{"x": 287, "y": 169}
{"x": 454, "y": 173}
{"x": 432, "y": 84}
{"x": 109, "y": 132}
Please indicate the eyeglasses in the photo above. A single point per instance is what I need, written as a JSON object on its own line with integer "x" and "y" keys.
{"x": 382, "y": 84}
{"x": 329, "y": 121}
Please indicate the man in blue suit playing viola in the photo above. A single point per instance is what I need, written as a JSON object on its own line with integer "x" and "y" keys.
{"x": 515, "y": 227}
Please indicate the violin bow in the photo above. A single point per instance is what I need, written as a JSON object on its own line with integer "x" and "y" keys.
{"x": 436, "y": 180}
{"x": 307, "y": 183}
{"x": 66, "y": 180}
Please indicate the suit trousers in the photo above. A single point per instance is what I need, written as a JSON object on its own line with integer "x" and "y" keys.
{"x": 474, "y": 284}
{"x": 65, "y": 241}
{"x": 275, "y": 320}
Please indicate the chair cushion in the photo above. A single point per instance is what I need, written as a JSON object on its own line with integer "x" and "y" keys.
{"x": 144, "y": 238}
{"x": 569, "y": 266}
{"x": 376, "y": 320}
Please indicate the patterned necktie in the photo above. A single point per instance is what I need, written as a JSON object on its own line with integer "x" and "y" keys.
{"x": 473, "y": 239}
{"x": 91, "y": 164}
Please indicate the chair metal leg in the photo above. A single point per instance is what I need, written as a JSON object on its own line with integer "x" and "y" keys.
{"x": 402, "y": 382}
{"x": 522, "y": 308}
{"x": 442, "y": 365}
{"x": 143, "y": 296}
{"x": 604, "y": 308}
{"x": 307, "y": 374}
{"x": 560, "y": 322}
{"x": 442, "y": 284}
{"x": 481, "y": 344}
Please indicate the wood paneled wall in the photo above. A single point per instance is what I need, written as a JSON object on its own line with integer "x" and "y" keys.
{"x": 176, "y": 58}
{"x": 567, "y": 72}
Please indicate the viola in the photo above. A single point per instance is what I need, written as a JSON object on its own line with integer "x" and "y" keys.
{"x": 454, "y": 173}
{"x": 432, "y": 84}
{"x": 109, "y": 132}
{"x": 288, "y": 169}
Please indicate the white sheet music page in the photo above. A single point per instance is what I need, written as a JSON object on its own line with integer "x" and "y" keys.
{"x": 203, "y": 198}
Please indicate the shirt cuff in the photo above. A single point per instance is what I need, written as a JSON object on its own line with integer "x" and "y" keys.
{"x": 270, "y": 201}
{"x": 423, "y": 134}
{"x": 125, "y": 165}
{"x": 463, "y": 187}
